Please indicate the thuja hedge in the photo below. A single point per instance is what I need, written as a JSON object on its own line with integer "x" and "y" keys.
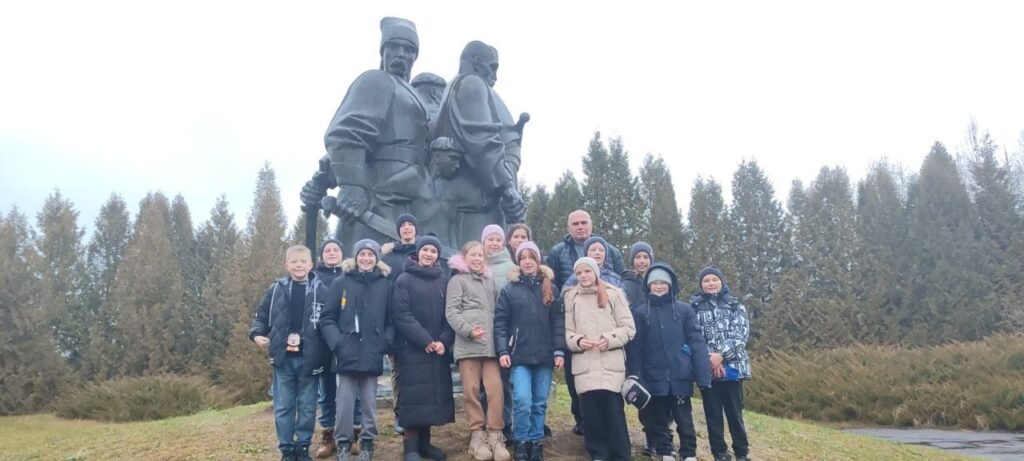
{"x": 978, "y": 385}
{"x": 141, "y": 399}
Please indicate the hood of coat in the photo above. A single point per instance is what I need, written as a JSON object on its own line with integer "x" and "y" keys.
{"x": 349, "y": 266}
{"x": 671, "y": 273}
{"x": 515, "y": 272}
{"x": 458, "y": 264}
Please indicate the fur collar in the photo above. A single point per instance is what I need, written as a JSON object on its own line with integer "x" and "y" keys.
{"x": 349, "y": 266}
{"x": 514, "y": 273}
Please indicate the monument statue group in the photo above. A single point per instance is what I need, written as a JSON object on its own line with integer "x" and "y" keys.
{"x": 448, "y": 154}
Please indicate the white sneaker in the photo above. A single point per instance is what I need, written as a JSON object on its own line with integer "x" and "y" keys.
{"x": 669, "y": 458}
{"x": 692, "y": 458}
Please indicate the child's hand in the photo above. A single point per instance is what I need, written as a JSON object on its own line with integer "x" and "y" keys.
{"x": 587, "y": 344}
{"x": 559, "y": 362}
{"x": 261, "y": 341}
{"x": 716, "y": 359}
{"x": 478, "y": 332}
{"x": 505, "y": 361}
{"x": 601, "y": 344}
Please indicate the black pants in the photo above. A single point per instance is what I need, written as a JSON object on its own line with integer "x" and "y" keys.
{"x": 725, "y": 397}
{"x": 570, "y": 383}
{"x": 658, "y": 416}
{"x": 604, "y": 426}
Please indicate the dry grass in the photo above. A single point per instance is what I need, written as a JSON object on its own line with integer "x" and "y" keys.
{"x": 247, "y": 433}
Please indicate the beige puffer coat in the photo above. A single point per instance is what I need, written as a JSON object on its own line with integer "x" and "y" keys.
{"x": 594, "y": 369}
{"x": 470, "y": 302}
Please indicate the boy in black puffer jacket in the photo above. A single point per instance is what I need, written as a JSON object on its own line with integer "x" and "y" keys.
{"x": 358, "y": 330}
{"x": 286, "y": 325}
{"x": 668, "y": 355}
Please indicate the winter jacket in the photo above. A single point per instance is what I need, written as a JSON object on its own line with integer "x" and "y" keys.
{"x": 500, "y": 264}
{"x": 607, "y": 276}
{"x": 723, "y": 320}
{"x": 327, "y": 274}
{"x": 526, "y": 329}
{"x": 563, "y": 255}
{"x": 669, "y": 353}
{"x": 584, "y": 319}
{"x": 633, "y": 286}
{"x": 356, "y": 324}
{"x": 395, "y": 254}
{"x": 272, "y": 321}
{"x": 469, "y": 303}
{"x": 417, "y": 310}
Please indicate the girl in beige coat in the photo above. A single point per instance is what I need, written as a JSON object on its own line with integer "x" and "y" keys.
{"x": 469, "y": 308}
{"x": 598, "y": 324}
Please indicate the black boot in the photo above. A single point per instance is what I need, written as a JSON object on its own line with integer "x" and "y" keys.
{"x": 427, "y": 450}
{"x": 522, "y": 451}
{"x": 537, "y": 451}
{"x": 366, "y": 450}
{"x": 411, "y": 445}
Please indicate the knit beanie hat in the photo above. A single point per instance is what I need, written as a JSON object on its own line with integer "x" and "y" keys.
{"x": 367, "y": 244}
{"x": 658, "y": 274}
{"x": 428, "y": 240}
{"x": 710, "y": 270}
{"x": 527, "y": 246}
{"x": 492, "y": 229}
{"x": 638, "y": 247}
{"x": 328, "y": 242}
{"x": 595, "y": 239}
{"x": 404, "y": 218}
{"x": 589, "y": 262}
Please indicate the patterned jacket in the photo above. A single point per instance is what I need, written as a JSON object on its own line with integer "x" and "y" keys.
{"x": 723, "y": 320}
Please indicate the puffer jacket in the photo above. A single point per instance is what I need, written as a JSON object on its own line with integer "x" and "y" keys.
{"x": 526, "y": 329}
{"x": 723, "y": 320}
{"x": 469, "y": 303}
{"x": 327, "y": 274}
{"x": 500, "y": 263}
{"x": 394, "y": 254}
{"x": 669, "y": 353}
{"x": 584, "y": 319}
{"x": 563, "y": 255}
{"x": 272, "y": 320}
{"x": 356, "y": 322}
{"x": 633, "y": 285}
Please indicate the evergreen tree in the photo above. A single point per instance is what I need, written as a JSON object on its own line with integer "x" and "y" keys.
{"x": 945, "y": 284}
{"x": 216, "y": 244}
{"x": 259, "y": 261}
{"x": 779, "y": 326}
{"x": 565, "y": 199}
{"x": 147, "y": 296}
{"x": 32, "y": 374}
{"x": 297, "y": 234}
{"x": 544, "y": 234}
{"x": 610, "y": 192}
{"x": 756, "y": 221}
{"x": 662, "y": 221}
{"x": 106, "y": 249}
{"x": 882, "y": 231}
{"x": 708, "y": 228}
{"x": 64, "y": 277}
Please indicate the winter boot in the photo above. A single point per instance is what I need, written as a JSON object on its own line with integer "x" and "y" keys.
{"x": 496, "y": 441}
{"x": 327, "y": 447}
{"x": 478, "y": 447}
{"x": 365, "y": 450}
{"x": 343, "y": 451}
{"x": 355, "y": 437}
{"x": 537, "y": 451}
{"x": 411, "y": 446}
{"x": 302, "y": 454}
{"x": 428, "y": 450}
{"x": 522, "y": 451}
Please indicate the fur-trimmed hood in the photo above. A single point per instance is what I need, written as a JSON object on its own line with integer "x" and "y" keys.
{"x": 349, "y": 266}
{"x": 515, "y": 272}
{"x": 458, "y": 264}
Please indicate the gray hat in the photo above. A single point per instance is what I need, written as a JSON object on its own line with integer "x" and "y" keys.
{"x": 367, "y": 244}
{"x": 392, "y": 28}
{"x": 657, "y": 274}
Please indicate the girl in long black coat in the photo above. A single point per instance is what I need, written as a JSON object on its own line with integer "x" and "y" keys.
{"x": 421, "y": 350}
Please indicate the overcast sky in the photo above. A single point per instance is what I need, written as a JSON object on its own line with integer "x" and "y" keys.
{"x": 193, "y": 97}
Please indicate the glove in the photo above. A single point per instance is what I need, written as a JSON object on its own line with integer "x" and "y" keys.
{"x": 352, "y": 201}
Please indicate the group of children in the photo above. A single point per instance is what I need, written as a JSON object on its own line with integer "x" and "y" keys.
{"x": 498, "y": 311}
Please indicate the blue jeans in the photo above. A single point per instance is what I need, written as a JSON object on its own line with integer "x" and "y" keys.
{"x": 328, "y": 393}
{"x": 530, "y": 387}
{"x": 294, "y": 405}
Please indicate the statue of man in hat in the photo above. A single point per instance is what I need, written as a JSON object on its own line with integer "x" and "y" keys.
{"x": 475, "y": 124}
{"x": 376, "y": 145}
